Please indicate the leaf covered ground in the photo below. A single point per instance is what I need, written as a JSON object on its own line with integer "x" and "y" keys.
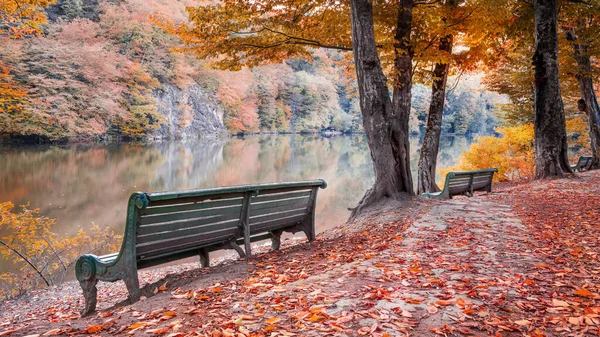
{"x": 522, "y": 261}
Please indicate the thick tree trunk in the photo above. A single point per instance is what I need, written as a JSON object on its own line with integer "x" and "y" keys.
{"x": 586, "y": 86}
{"x": 386, "y": 125}
{"x": 431, "y": 141}
{"x": 549, "y": 122}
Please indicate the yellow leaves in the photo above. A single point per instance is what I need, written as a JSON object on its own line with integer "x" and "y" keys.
{"x": 23, "y": 17}
{"x": 512, "y": 154}
{"x": 577, "y": 131}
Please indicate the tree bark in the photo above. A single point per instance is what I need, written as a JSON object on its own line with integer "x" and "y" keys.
{"x": 431, "y": 141}
{"x": 549, "y": 121}
{"x": 385, "y": 123}
{"x": 586, "y": 86}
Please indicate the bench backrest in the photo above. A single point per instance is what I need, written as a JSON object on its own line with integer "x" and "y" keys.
{"x": 161, "y": 226}
{"x": 584, "y": 163}
{"x": 468, "y": 181}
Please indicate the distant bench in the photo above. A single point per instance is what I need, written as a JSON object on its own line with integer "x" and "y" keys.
{"x": 164, "y": 227}
{"x": 465, "y": 183}
{"x": 583, "y": 164}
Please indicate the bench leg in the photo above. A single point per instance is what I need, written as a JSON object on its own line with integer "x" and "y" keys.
{"x": 237, "y": 248}
{"x": 89, "y": 294}
{"x": 276, "y": 240}
{"x": 309, "y": 228}
{"x": 204, "y": 258}
{"x": 133, "y": 286}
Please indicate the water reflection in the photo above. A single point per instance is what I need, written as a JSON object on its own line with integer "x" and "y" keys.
{"x": 80, "y": 185}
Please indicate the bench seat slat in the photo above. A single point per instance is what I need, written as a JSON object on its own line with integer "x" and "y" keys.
{"x": 182, "y": 224}
{"x": 277, "y": 215}
{"x": 194, "y": 199}
{"x": 191, "y": 206}
{"x": 109, "y": 257}
{"x": 277, "y": 209}
{"x": 187, "y": 231}
{"x": 291, "y": 202}
{"x": 279, "y": 223}
{"x": 279, "y": 196}
{"x": 155, "y": 219}
{"x": 191, "y": 242}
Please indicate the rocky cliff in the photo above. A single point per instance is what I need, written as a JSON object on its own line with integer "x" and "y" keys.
{"x": 189, "y": 113}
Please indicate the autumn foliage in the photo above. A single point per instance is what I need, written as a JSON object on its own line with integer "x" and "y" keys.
{"x": 512, "y": 154}
{"x": 40, "y": 254}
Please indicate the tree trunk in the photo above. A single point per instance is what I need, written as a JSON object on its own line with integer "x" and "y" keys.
{"x": 386, "y": 124}
{"x": 549, "y": 122}
{"x": 586, "y": 85}
{"x": 431, "y": 141}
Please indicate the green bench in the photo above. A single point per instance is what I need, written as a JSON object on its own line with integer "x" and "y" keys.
{"x": 168, "y": 226}
{"x": 465, "y": 183}
{"x": 583, "y": 164}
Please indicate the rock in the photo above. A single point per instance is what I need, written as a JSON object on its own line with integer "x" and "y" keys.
{"x": 190, "y": 113}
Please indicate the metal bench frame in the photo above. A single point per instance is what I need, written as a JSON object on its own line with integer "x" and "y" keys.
{"x": 468, "y": 188}
{"x": 583, "y": 164}
{"x": 271, "y": 218}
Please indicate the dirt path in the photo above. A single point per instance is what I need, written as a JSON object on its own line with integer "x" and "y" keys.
{"x": 522, "y": 261}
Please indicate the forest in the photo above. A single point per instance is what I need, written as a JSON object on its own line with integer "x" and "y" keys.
{"x": 99, "y": 70}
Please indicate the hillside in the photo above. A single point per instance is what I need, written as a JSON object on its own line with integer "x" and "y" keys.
{"x": 103, "y": 70}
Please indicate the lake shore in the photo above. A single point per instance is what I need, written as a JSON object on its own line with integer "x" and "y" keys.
{"x": 521, "y": 260}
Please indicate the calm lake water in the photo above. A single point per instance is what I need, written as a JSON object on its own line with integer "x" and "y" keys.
{"x": 84, "y": 184}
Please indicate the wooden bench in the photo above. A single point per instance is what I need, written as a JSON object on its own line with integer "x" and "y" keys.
{"x": 583, "y": 164}
{"x": 168, "y": 226}
{"x": 465, "y": 183}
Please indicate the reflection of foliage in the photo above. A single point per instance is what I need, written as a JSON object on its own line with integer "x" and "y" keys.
{"x": 40, "y": 253}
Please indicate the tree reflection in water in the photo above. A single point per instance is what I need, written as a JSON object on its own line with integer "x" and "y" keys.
{"x": 81, "y": 184}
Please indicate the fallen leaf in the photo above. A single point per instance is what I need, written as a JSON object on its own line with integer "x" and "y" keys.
{"x": 523, "y": 322}
{"x": 559, "y": 303}
{"x": 272, "y": 320}
{"x": 584, "y": 293}
{"x": 93, "y": 329}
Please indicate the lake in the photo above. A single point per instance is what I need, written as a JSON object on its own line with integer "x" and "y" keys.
{"x": 83, "y": 184}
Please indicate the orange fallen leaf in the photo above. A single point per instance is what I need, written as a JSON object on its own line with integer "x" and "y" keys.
{"x": 584, "y": 293}
{"x": 159, "y": 331}
{"x": 163, "y": 287}
{"x": 94, "y": 329}
{"x": 316, "y": 318}
{"x": 272, "y": 320}
{"x": 443, "y": 303}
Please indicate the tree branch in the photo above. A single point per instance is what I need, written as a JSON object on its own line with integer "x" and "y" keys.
{"x": 24, "y": 258}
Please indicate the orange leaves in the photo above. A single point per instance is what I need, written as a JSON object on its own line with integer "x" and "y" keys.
{"x": 512, "y": 154}
{"x": 94, "y": 329}
{"x": 585, "y": 293}
{"x": 23, "y": 17}
{"x": 272, "y": 320}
